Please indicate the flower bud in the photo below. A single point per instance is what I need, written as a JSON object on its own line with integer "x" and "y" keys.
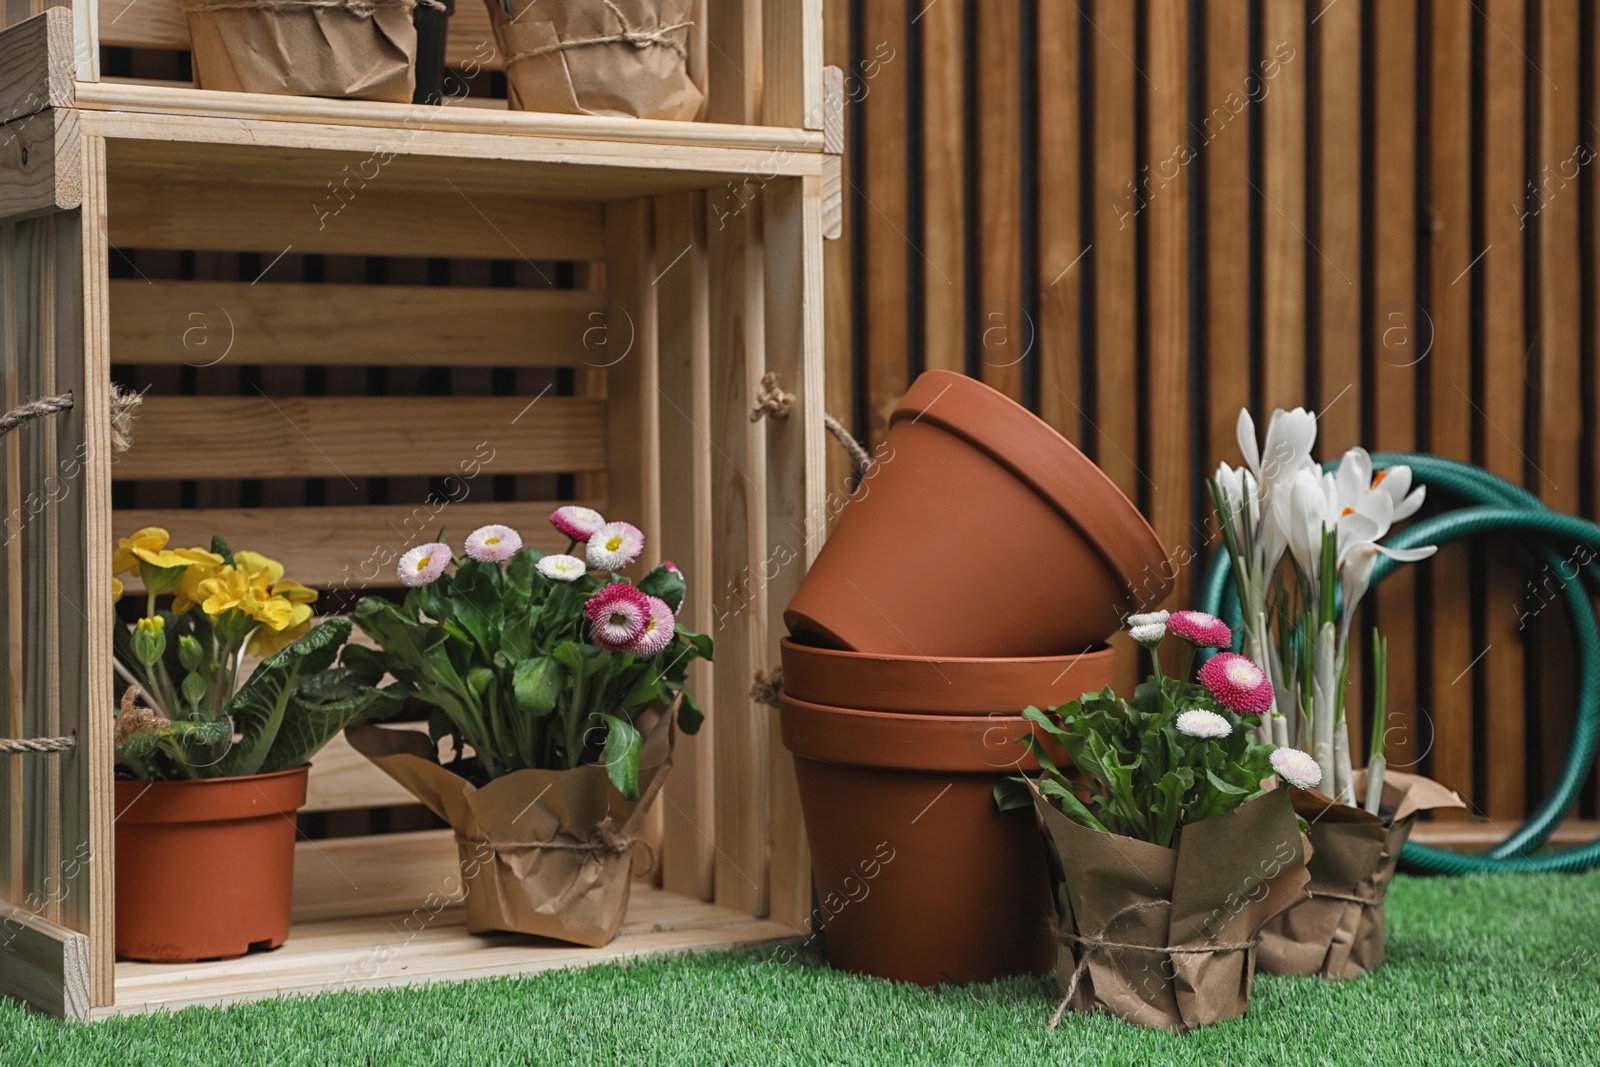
{"x": 190, "y": 654}
{"x": 194, "y": 686}
{"x": 149, "y": 639}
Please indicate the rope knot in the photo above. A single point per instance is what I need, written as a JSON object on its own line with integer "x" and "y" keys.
{"x": 772, "y": 399}
{"x": 768, "y": 685}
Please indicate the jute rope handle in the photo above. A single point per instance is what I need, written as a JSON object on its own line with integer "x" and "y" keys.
{"x": 1093, "y": 944}
{"x": 123, "y": 403}
{"x": 629, "y": 34}
{"x": 773, "y": 400}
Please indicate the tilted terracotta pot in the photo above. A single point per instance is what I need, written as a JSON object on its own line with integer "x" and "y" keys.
{"x": 948, "y": 686}
{"x": 205, "y": 868}
{"x": 919, "y": 878}
{"x": 979, "y": 531}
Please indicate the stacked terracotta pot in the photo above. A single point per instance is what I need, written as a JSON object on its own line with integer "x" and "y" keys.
{"x": 978, "y": 568}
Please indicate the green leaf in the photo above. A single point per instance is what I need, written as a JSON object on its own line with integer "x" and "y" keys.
{"x": 666, "y": 584}
{"x": 220, "y": 547}
{"x": 538, "y": 684}
{"x": 621, "y": 755}
{"x": 258, "y": 709}
{"x": 1011, "y": 794}
{"x": 1071, "y": 806}
{"x": 689, "y": 714}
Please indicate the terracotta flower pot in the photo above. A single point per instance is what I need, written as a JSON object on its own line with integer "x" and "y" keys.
{"x": 979, "y": 531}
{"x": 205, "y": 868}
{"x": 949, "y": 686}
{"x": 919, "y": 878}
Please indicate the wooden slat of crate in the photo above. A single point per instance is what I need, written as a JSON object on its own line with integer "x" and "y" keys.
{"x": 1504, "y": 347}
{"x": 349, "y": 547}
{"x": 1449, "y": 365}
{"x": 682, "y": 296}
{"x": 734, "y": 271}
{"x": 796, "y": 502}
{"x": 401, "y": 935}
{"x": 46, "y": 965}
{"x": 791, "y": 63}
{"x": 201, "y": 322}
{"x": 319, "y": 437}
{"x": 1063, "y": 252}
{"x": 1004, "y": 331}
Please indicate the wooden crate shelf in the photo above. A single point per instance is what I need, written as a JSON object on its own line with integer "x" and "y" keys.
{"x": 690, "y": 255}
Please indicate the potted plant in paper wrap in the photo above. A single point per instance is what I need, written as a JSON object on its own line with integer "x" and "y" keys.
{"x": 212, "y": 757}
{"x": 1297, "y": 626}
{"x": 1168, "y": 854}
{"x": 558, "y": 691}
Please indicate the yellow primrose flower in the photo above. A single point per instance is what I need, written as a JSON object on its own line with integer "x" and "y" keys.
{"x": 269, "y": 642}
{"x": 205, "y": 565}
{"x": 293, "y": 591}
{"x": 261, "y": 571}
{"x": 146, "y": 545}
{"x": 151, "y": 626}
{"x": 116, "y": 590}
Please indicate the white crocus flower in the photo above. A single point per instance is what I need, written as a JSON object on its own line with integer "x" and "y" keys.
{"x": 1356, "y": 576}
{"x": 1285, "y": 452}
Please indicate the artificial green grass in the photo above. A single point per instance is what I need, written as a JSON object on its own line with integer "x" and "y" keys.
{"x": 1499, "y": 969}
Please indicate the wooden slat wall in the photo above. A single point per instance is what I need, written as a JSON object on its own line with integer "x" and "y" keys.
{"x": 1383, "y": 209}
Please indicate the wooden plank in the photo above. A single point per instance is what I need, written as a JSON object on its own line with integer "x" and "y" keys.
{"x": 796, "y": 519}
{"x": 1114, "y": 409}
{"x": 884, "y": 218}
{"x": 1478, "y": 835}
{"x": 201, "y": 322}
{"x": 317, "y": 437}
{"x": 733, "y": 61}
{"x": 791, "y": 63}
{"x": 1005, "y": 332}
{"x": 421, "y": 946}
{"x": 628, "y": 351}
{"x": 381, "y": 874}
{"x": 735, "y": 271}
{"x": 1503, "y": 388}
{"x": 1284, "y": 246}
{"x": 1449, "y": 367}
{"x": 943, "y": 171}
{"x": 682, "y": 299}
{"x": 1564, "y": 148}
{"x": 40, "y": 164}
{"x": 839, "y": 349}
{"x": 36, "y": 68}
{"x": 43, "y": 964}
{"x": 1394, "y": 373}
{"x": 1337, "y": 270}
{"x": 342, "y": 778}
{"x": 1167, "y": 282}
{"x": 230, "y": 217}
{"x": 1225, "y": 136}
{"x": 351, "y": 548}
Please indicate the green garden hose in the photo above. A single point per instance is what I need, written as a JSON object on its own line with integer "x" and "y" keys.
{"x": 1500, "y": 507}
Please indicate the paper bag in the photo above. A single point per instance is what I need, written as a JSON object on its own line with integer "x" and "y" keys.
{"x": 1339, "y": 932}
{"x": 357, "y": 49}
{"x": 598, "y": 57}
{"x": 548, "y": 853}
{"x": 1166, "y": 937}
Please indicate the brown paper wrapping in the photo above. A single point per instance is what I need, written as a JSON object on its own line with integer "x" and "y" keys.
{"x": 598, "y": 57}
{"x": 548, "y": 853}
{"x": 1197, "y": 908}
{"x": 357, "y": 49}
{"x": 1339, "y": 932}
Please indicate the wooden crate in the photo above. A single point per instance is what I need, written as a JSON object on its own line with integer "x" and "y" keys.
{"x": 698, "y": 248}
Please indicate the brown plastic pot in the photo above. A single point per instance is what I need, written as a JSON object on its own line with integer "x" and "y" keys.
{"x": 948, "y": 686}
{"x": 919, "y": 878}
{"x": 205, "y": 868}
{"x": 979, "y": 531}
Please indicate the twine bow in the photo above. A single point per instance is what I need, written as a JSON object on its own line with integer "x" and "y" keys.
{"x": 606, "y": 838}
{"x": 1089, "y": 945}
{"x": 637, "y": 36}
{"x": 774, "y": 401}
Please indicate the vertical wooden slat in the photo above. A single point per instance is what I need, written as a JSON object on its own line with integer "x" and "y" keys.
{"x": 1394, "y": 344}
{"x": 1167, "y": 277}
{"x": 679, "y": 280}
{"x": 733, "y": 61}
{"x": 1225, "y": 148}
{"x": 1559, "y": 160}
{"x": 1283, "y": 213}
{"x": 1003, "y": 330}
{"x": 1449, "y": 368}
{"x": 791, "y": 61}
{"x": 796, "y": 520}
{"x": 12, "y": 836}
{"x": 1062, "y": 251}
{"x": 837, "y": 312}
{"x": 1504, "y": 349}
{"x": 738, "y": 549}
{"x": 1116, "y": 198}
{"x": 883, "y": 220}
{"x": 1338, "y": 269}
{"x": 943, "y": 196}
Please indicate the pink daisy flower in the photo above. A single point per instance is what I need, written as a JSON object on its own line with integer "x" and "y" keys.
{"x": 493, "y": 544}
{"x": 1200, "y": 629}
{"x": 576, "y": 522}
{"x": 617, "y": 615}
{"x": 658, "y": 629}
{"x": 614, "y": 546}
{"x": 1238, "y": 684}
{"x": 423, "y": 564}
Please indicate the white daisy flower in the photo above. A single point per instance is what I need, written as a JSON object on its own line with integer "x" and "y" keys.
{"x": 1198, "y": 722}
{"x": 1296, "y": 768}
{"x": 561, "y": 567}
{"x": 614, "y": 546}
{"x": 423, "y": 564}
{"x": 493, "y": 544}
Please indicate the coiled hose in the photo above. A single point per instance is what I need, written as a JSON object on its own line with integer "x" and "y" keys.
{"x": 1498, "y": 507}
